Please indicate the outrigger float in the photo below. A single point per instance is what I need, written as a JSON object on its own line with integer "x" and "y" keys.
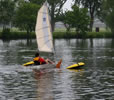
{"x": 76, "y": 66}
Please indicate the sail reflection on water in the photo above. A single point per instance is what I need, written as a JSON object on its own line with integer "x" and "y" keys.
{"x": 44, "y": 84}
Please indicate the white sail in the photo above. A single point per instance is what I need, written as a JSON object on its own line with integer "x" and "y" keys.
{"x": 43, "y": 30}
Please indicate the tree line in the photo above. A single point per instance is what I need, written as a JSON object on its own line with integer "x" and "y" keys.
{"x": 22, "y": 14}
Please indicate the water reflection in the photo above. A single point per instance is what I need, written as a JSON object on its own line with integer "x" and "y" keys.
{"x": 16, "y": 84}
{"x": 14, "y": 51}
{"x": 94, "y": 81}
{"x": 44, "y": 84}
{"x": 54, "y": 84}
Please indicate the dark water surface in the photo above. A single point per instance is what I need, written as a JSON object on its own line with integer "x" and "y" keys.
{"x": 95, "y": 81}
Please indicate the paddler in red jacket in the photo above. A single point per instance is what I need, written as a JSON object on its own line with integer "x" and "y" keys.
{"x": 39, "y": 60}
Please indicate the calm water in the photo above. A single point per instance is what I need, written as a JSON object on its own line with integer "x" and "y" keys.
{"x": 95, "y": 81}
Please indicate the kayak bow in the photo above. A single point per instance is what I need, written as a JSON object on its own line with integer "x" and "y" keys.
{"x": 28, "y": 63}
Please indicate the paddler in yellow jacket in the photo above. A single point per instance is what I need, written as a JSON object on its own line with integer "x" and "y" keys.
{"x": 39, "y": 60}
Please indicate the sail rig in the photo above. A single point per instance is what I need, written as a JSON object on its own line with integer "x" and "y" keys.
{"x": 43, "y": 30}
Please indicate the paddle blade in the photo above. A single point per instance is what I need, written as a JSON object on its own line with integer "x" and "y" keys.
{"x": 58, "y": 65}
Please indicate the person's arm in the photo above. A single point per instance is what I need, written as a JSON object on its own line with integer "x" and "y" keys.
{"x": 49, "y": 61}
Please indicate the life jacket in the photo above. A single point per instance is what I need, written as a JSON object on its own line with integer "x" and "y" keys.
{"x": 39, "y": 61}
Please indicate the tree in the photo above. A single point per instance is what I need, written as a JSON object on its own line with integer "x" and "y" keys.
{"x": 94, "y": 7}
{"x": 55, "y": 9}
{"x": 66, "y": 18}
{"x": 7, "y": 8}
{"x": 39, "y": 2}
{"x": 25, "y": 17}
{"x": 78, "y": 19}
{"x": 108, "y": 14}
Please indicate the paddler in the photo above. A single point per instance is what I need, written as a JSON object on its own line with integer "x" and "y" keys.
{"x": 39, "y": 60}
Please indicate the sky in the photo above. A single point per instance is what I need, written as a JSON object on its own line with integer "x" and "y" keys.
{"x": 68, "y": 5}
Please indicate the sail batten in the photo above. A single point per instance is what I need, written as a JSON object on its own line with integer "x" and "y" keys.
{"x": 43, "y": 30}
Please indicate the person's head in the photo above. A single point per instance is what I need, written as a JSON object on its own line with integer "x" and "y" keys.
{"x": 37, "y": 54}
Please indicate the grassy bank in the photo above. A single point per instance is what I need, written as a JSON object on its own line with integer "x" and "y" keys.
{"x": 88, "y": 35}
{"x": 60, "y": 33}
{"x": 18, "y": 35}
{"x": 103, "y": 33}
{"x": 99, "y": 35}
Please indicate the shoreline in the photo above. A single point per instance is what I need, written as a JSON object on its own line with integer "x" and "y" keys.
{"x": 59, "y": 35}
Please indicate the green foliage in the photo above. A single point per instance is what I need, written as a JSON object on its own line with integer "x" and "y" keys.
{"x": 108, "y": 14}
{"x": 65, "y": 35}
{"x": 78, "y": 19}
{"x": 5, "y": 33}
{"x": 65, "y": 18}
{"x": 26, "y": 15}
{"x": 58, "y": 35}
{"x": 99, "y": 35}
{"x": 94, "y": 8}
{"x": 6, "y": 11}
{"x": 15, "y": 35}
{"x": 20, "y": 35}
{"x": 61, "y": 35}
{"x": 39, "y": 2}
{"x": 55, "y": 7}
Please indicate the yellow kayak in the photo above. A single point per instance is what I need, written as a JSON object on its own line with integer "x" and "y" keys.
{"x": 74, "y": 66}
{"x": 28, "y": 63}
{"x": 32, "y": 63}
